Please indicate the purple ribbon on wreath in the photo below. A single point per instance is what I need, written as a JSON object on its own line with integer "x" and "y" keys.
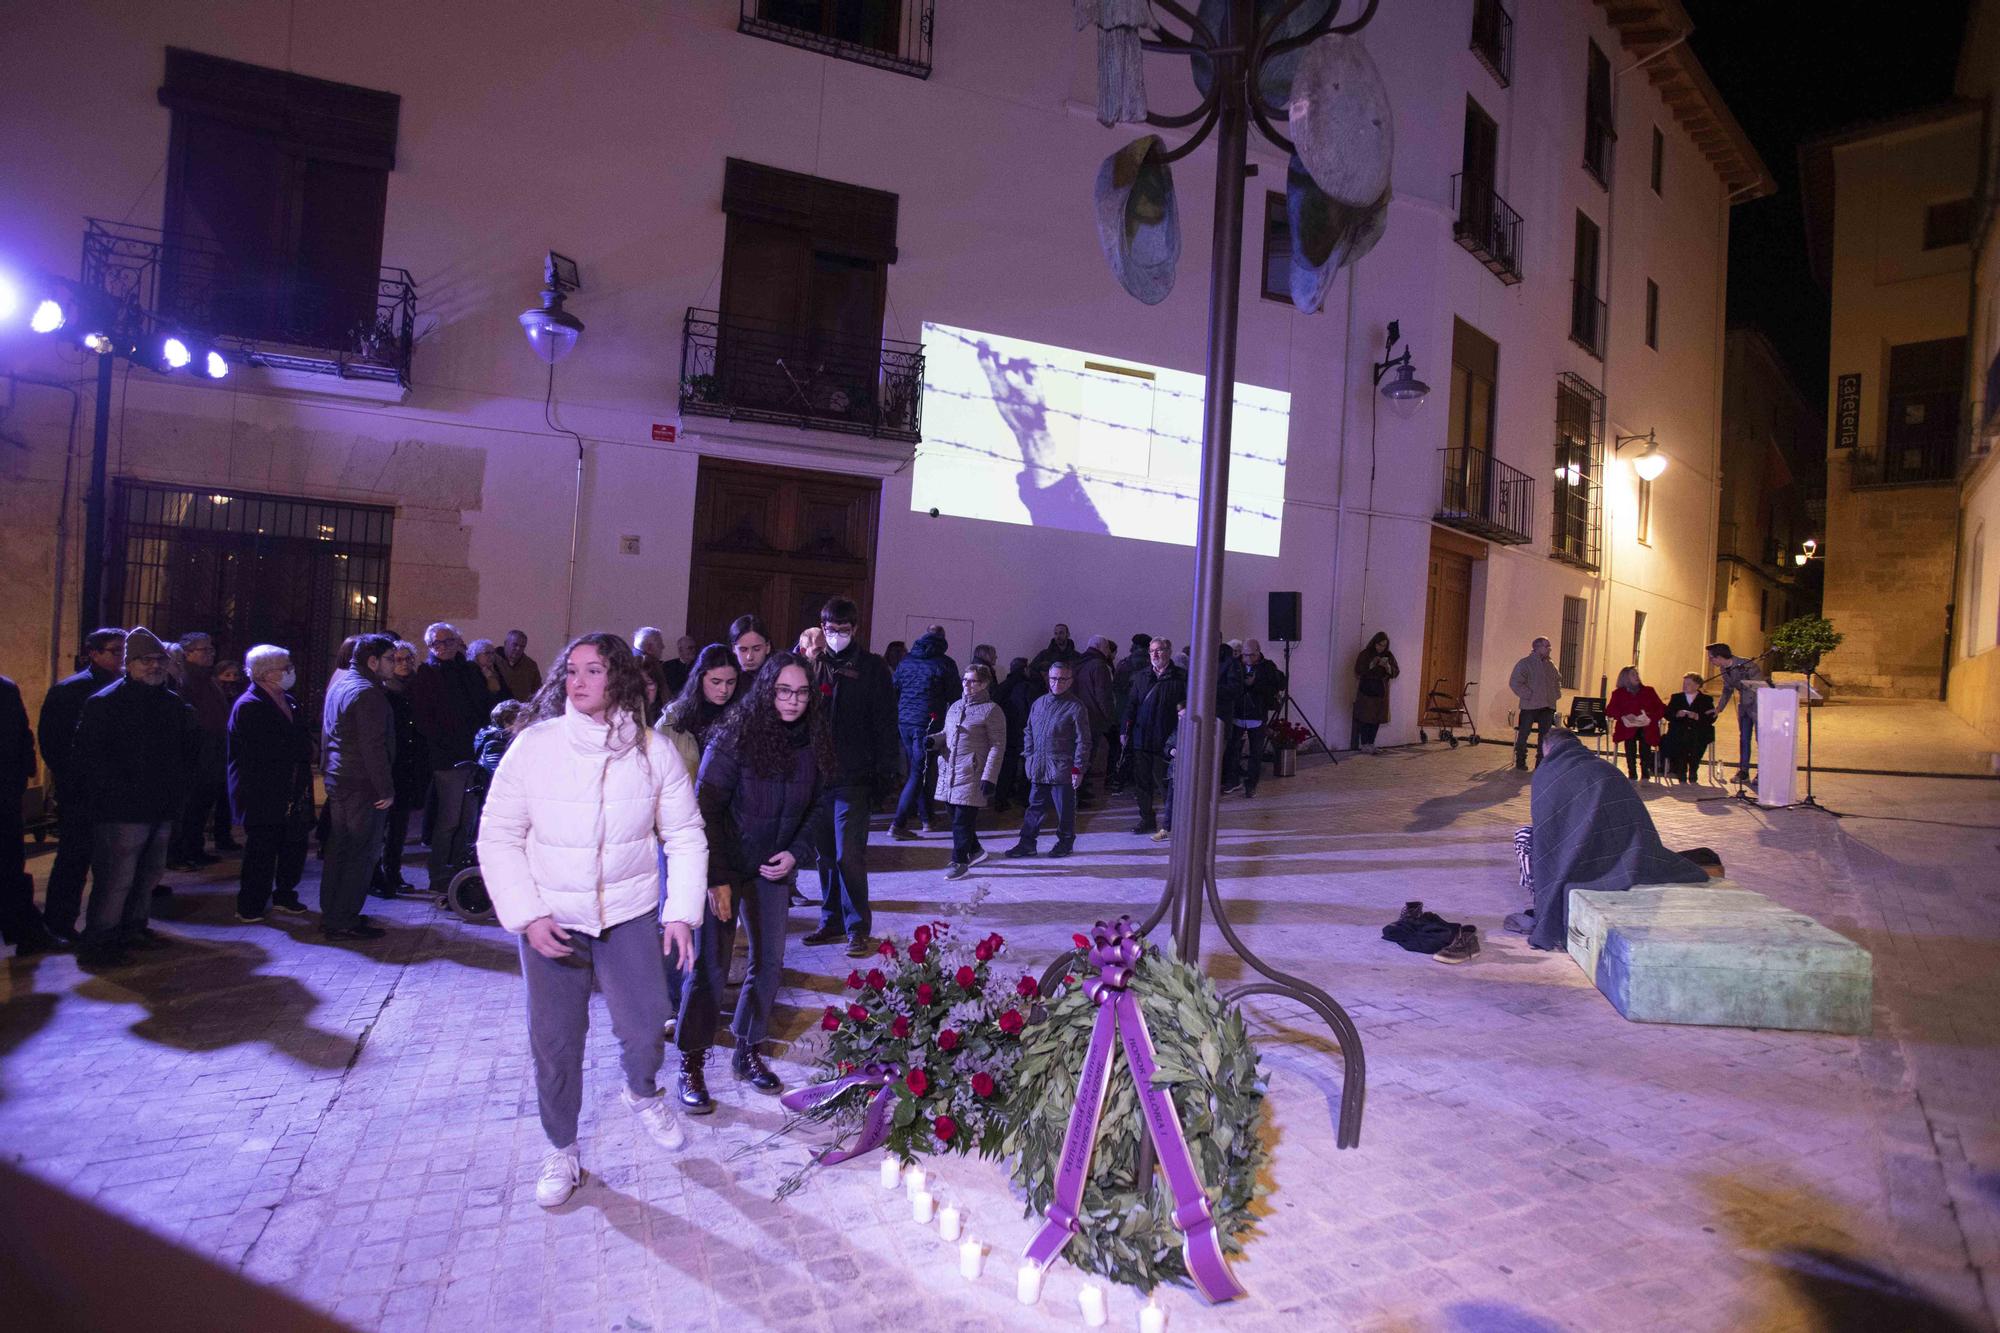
{"x": 882, "y": 1074}
{"x": 1115, "y": 951}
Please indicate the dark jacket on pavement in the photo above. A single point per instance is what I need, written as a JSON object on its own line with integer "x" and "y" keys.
{"x": 750, "y": 817}
{"x": 136, "y": 748}
{"x": 270, "y": 761}
{"x": 864, "y": 718}
{"x": 357, "y": 740}
{"x": 925, "y": 684}
{"x": 1372, "y": 673}
{"x": 1092, "y": 686}
{"x": 451, "y": 706}
{"x": 1156, "y": 702}
{"x": 17, "y": 743}
{"x": 1057, "y": 738}
{"x": 61, "y": 708}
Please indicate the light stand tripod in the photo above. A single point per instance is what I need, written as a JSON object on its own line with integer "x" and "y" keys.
{"x": 1287, "y": 706}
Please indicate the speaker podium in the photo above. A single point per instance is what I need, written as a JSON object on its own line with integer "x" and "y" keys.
{"x": 1777, "y": 746}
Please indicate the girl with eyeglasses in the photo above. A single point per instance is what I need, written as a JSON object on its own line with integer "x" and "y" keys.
{"x": 763, "y": 777}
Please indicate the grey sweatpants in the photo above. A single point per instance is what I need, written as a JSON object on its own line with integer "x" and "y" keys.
{"x": 625, "y": 961}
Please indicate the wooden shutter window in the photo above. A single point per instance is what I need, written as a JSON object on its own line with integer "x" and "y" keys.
{"x": 335, "y": 122}
{"x": 839, "y": 218}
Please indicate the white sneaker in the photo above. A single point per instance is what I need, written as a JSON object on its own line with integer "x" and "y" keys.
{"x": 660, "y": 1121}
{"x": 561, "y": 1173}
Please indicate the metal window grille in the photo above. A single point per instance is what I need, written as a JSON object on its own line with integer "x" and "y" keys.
{"x": 251, "y": 569}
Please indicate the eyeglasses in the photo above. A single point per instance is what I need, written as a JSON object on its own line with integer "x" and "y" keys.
{"x": 795, "y": 694}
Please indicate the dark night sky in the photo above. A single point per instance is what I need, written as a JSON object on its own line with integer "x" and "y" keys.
{"x": 1791, "y": 71}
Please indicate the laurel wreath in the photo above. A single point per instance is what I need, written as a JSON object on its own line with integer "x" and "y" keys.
{"x": 1205, "y": 1058}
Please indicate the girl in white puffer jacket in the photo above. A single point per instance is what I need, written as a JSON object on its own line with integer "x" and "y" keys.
{"x": 584, "y": 801}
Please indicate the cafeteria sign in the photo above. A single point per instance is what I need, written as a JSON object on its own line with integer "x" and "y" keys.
{"x": 1847, "y": 412}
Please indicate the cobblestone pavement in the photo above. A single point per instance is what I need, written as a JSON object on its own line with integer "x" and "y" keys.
{"x": 355, "y": 1126}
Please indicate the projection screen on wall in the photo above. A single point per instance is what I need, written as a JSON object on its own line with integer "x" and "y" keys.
{"x": 1022, "y": 432}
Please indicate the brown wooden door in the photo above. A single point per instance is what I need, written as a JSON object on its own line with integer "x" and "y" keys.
{"x": 778, "y": 542}
{"x": 1447, "y": 616}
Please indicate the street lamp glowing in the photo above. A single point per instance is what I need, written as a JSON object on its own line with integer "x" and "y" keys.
{"x": 1650, "y": 463}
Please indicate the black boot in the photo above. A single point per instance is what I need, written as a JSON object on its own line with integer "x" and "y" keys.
{"x": 694, "y": 1083}
{"x": 748, "y": 1065}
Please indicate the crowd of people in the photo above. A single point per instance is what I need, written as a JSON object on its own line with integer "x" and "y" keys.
{"x": 629, "y": 812}
{"x": 1663, "y": 739}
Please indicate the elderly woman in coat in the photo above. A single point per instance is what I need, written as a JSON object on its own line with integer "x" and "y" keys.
{"x": 269, "y": 757}
{"x": 584, "y": 802}
{"x": 971, "y": 747}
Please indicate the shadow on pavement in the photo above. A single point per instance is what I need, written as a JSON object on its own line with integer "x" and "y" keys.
{"x": 1491, "y": 789}
{"x": 204, "y": 996}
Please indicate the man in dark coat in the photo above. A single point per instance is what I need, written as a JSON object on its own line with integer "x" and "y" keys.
{"x": 103, "y": 651}
{"x": 1263, "y": 686}
{"x": 20, "y": 925}
{"x": 1058, "y": 742}
{"x": 357, "y": 753}
{"x": 925, "y": 686}
{"x": 864, "y": 745}
{"x": 1128, "y": 666}
{"x": 1150, "y": 734}
{"x": 270, "y": 756}
{"x": 211, "y": 713}
{"x": 1061, "y": 648}
{"x": 1016, "y": 696}
{"x": 1094, "y": 672}
{"x": 137, "y": 745}
{"x": 448, "y": 696}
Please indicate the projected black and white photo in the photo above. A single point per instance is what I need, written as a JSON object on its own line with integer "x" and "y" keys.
{"x": 1023, "y": 432}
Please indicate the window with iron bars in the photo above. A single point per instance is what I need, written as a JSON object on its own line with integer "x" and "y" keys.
{"x": 1576, "y": 534}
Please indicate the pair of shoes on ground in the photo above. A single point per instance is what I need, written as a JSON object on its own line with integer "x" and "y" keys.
{"x": 1464, "y": 946}
{"x": 960, "y": 869}
{"x": 1020, "y": 850}
{"x": 282, "y": 906}
{"x": 746, "y": 1063}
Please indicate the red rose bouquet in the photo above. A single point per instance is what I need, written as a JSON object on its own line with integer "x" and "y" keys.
{"x": 941, "y": 1029}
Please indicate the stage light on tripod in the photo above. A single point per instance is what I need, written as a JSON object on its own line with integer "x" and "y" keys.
{"x": 49, "y": 316}
{"x": 175, "y": 354}
{"x": 215, "y": 365}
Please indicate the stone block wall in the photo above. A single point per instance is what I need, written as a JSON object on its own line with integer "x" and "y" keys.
{"x": 1889, "y": 563}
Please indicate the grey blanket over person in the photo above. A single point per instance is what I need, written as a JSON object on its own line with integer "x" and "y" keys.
{"x": 1591, "y": 832}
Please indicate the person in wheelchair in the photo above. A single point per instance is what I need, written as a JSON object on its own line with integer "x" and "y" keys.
{"x": 466, "y": 894}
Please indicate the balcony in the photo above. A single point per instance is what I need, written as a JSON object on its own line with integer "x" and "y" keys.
{"x": 1488, "y": 229}
{"x": 1485, "y": 497}
{"x": 888, "y": 34}
{"x": 1493, "y": 39}
{"x": 1925, "y": 462}
{"x": 754, "y": 370}
{"x": 1589, "y": 319}
{"x": 281, "y": 320}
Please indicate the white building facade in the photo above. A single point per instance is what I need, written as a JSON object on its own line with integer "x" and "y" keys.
{"x": 920, "y": 183}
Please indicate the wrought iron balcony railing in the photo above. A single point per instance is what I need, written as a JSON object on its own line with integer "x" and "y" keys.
{"x": 1576, "y": 532}
{"x": 755, "y": 370}
{"x": 1589, "y": 319}
{"x": 257, "y": 313}
{"x": 1487, "y": 227}
{"x": 1484, "y": 496}
{"x": 1916, "y": 463}
{"x": 1493, "y": 39}
{"x": 888, "y": 34}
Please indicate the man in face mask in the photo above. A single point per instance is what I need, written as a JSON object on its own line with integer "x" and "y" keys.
{"x": 137, "y": 742}
{"x": 270, "y": 785}
{"x": 863, "y": 704}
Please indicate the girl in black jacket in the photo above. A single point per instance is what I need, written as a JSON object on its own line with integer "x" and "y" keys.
{"x": 763, "y": 776}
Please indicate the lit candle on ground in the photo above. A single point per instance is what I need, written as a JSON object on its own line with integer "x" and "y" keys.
{"x": 892, "y": 1173}
{"x": 1091, "y": 1299}
{"x": 1028, "y": 1284}
{"x": 1152, "y": 1319}
{"x": 971, "y": 1258}
{"x": 948, "y": 1221}
{"x": 913, "y": 1180}
{"x": 921, "y": 1205}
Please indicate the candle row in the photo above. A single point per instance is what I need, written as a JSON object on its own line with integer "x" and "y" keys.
{"x": 972, "y": 1255}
